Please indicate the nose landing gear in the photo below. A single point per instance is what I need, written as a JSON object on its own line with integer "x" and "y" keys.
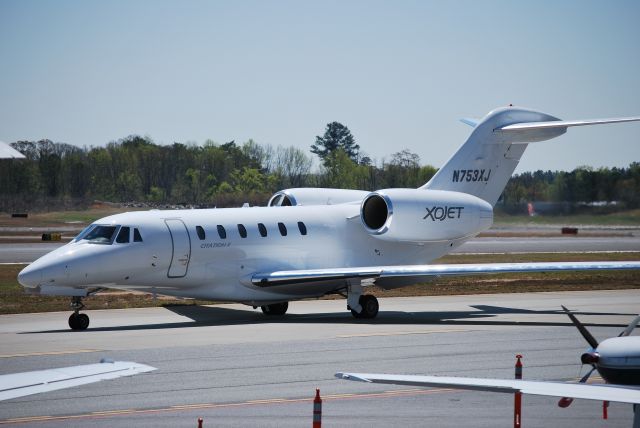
{"x": 78, "y": 321}
{"x": 275, "y": 308}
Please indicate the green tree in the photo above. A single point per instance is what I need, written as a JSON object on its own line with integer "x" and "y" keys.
{"x": 342, "y": 172}
{"x": 76, "y": 174}
{"x": 403, "y": 170}
{"x": 560, "y": 191}
{"x": 627, "y": 187}
{"x": 102, "y": 173}
{"x": 290, "y": 167}
{"x": 249, "y": 181}
{"x": 336, "y": 136}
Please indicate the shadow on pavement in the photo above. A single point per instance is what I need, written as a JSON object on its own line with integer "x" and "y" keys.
{"x": 206, "y": 316}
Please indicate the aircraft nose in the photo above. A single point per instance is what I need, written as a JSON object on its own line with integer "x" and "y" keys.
{"x": 30, "y": 277}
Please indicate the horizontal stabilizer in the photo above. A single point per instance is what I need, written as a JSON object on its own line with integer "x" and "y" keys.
{"x": 531, "y": 132}
{"x": 563, "y": 124}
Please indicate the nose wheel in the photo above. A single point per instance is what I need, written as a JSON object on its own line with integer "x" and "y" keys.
{"x": 78, "y": 321}
{"x": 275, "y": 308}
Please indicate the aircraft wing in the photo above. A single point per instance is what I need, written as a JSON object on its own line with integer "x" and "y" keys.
{"x": 602, "y": 392}
{"x": 8, "y": 152}
{"x": 286, "y": 277}
{"x": 20, "y": 384}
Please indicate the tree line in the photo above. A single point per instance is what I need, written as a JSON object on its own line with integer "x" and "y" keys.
{"x": 135, "y": 169}
{"x": 582, "y": 186}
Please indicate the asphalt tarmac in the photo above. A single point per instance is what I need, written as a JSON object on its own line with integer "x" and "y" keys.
{"x": 235, "y": 367}
{"x": 28, "y": 252}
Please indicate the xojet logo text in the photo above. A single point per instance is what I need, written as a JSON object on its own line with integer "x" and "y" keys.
{"x": 443, "y": 213}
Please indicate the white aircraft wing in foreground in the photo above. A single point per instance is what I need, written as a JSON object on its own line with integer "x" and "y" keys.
{"x": 20, "y": 384}
{"x": 614, "y": 358}
{"x": 602, "y": 392}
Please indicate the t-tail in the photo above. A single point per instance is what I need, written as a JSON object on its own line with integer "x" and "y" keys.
{"x": 485, "y": 162}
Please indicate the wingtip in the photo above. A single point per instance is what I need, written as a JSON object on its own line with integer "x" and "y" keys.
{"x": 350, "y": 376}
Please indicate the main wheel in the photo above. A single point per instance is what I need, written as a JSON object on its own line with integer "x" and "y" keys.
{"x": 369, "y": 305}
{"x": 275, "y": 309}
{"x": 78, "y": 321}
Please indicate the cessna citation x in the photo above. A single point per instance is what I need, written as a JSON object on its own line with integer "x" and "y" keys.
{"x": 617, "y": 360}
{"x": 309, "y": 242}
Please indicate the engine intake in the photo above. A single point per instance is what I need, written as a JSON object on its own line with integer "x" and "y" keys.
{"x": 376, "y": 210}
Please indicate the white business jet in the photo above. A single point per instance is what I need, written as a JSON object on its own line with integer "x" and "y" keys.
{"x": 617, "y": 359}
{"x": 309, "y": 242}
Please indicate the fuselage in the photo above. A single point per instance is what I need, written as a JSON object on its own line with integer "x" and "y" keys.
{"x": 212, "y": 253}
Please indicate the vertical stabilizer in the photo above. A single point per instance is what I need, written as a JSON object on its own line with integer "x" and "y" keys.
{"x": 485, "y": 162}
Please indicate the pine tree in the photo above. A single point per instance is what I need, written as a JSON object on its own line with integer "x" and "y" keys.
{"x": 336, "y": 136}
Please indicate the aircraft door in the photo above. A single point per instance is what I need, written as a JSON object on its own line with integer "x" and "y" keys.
{"x": 181, "y": 248}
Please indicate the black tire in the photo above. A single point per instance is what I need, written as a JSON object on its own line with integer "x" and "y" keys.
{"x": 78, "y": 321}
{"x": 275, "y": 309}
{"x": 370, "y": 307}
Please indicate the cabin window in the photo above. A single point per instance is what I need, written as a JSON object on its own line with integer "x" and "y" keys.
{"x": 242, "y": 230}
{"x": 262, "y": 229}
{"x": 283, "y": 229}
{"x": 136, "y": 235}
{"x": 201, "y": 233}
{"x": 302, "y": 228}
{"x": 222, "y": 232}
{"x": 123, "y": 235}
{"x": 100, "y": 234}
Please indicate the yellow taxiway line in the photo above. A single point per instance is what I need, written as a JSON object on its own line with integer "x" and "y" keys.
{"x": 189, "y": 407}
{"x": 399, "y": 333}
{"x": 36, "y": 354}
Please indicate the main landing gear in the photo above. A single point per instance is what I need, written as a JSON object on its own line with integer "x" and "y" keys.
{"x": 369, "y": 306}
{"x": 362, "y": 306}
{"x": 78, "y": 321}
{"x": 275, "y": 308}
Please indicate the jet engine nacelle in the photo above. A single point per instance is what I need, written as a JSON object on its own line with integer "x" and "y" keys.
{"x": 424, "y": 215}
{"x": 315, "y": 196}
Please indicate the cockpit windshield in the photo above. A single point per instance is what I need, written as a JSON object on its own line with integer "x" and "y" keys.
{"x": 97, "y": 234}
{"x": 105, "y": 234}
{"x": 84, "y": 231}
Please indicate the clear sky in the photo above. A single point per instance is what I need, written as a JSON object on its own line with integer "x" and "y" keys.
{"x": 399, "y": 74}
